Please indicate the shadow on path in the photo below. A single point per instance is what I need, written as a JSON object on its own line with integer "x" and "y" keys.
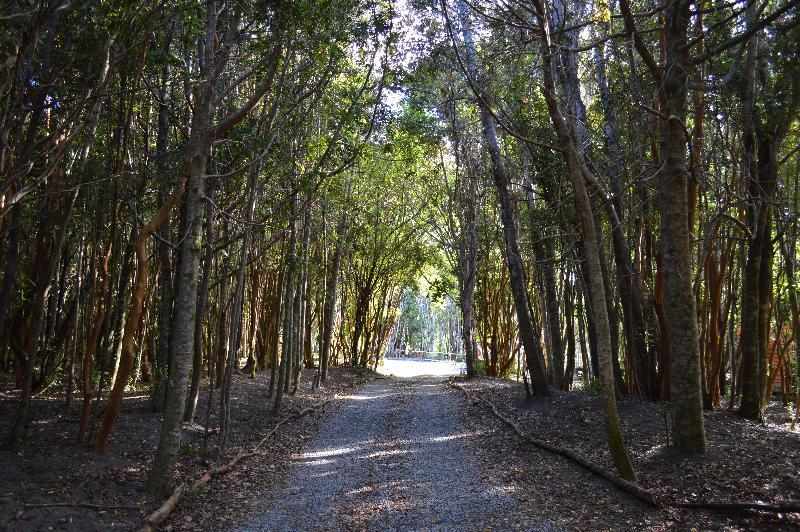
{"x": 394, "y": 456}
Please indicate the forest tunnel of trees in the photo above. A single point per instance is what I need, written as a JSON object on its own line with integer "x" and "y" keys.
{"x": 584, "y": 194}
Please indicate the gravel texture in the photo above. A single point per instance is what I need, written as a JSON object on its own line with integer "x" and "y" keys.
{"x": 396, "y": 455}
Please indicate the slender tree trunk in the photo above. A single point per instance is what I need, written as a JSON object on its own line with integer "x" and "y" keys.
{"x": 330, "y": 301}
{"x": 578, "y": 173}
{"x": 630, "y": 293}
{"x": 182, "y": 342}
{"x": 35, "y": 322}
{"x": 552, "y": 307}
{"x": 92, "y": 342}
{"x": 513, "y": 255}
{"x": 235, "y": 331}
{"x": 202, "y": 304}
{"x": 277, "y": 319}
{"x": 288, "y": 298}
{"x": 185, "y": 315}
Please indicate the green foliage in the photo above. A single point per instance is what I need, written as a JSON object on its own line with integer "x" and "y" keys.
{"x": 593, "y": 386}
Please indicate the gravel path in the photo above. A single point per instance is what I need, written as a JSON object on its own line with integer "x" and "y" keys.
{"x": 394, "y": 456}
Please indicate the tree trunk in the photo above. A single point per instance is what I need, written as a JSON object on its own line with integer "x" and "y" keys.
{"x": 508, "y": 218}
{"x": 288, "y": 298}
{"x": 578, "y": 173}
{"x": 330, "y": 301}
{"x": 182, "y": 342}
{"x": 35, "y": 322}
{"x": 202, "y": 304}
{"x": 676, "y": 255}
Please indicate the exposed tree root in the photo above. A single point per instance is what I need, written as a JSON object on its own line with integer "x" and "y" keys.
{"x": 153, "y": 520}
{"x": 640, "y": 493}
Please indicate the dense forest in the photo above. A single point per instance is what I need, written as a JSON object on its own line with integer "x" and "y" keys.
{"x": 583, "y": 196}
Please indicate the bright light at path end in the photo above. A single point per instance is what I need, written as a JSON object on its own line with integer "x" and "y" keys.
{"x": 416, "y": 367}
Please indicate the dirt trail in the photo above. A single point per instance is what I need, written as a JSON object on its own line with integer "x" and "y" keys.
{"x": 394, "y": 456}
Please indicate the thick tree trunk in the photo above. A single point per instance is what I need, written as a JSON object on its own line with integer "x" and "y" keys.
{"x": 676, "y": 255}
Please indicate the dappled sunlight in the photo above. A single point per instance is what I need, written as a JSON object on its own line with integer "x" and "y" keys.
{"x": 372, "y": 486}
{"x": 503, "y": 490}
{"x": 330, "y": 452}
{"x": 318, "y": 462}
{"x": 382, "y": 454}
{"x": 326, "y": 474}
{"x": 440, "y": 439}
{"x": 655, "y": 450}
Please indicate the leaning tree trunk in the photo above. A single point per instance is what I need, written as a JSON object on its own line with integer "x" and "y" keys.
{"x": 591, "y": 241}
{"x": 127, "y": 357}
{"x": 513, "y": 256}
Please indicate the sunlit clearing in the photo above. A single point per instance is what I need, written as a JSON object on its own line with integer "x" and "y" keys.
{"x": 417, "y": 367}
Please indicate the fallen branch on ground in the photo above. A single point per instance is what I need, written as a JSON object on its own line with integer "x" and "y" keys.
{"x": 160, "y": 515}
{"x": 725, "y": 507}
{"x": 629, "y": 487}
{"x": 635, "y": 490}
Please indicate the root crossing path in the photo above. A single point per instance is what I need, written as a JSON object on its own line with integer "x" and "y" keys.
{"x": 396, "y": 455}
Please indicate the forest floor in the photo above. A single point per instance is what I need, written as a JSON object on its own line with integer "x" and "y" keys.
{"x": 50, "y": 471}
{"x": 745, "y": 461}
{"x": 402, "y": 453}
{"x": 414, "y": 454}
